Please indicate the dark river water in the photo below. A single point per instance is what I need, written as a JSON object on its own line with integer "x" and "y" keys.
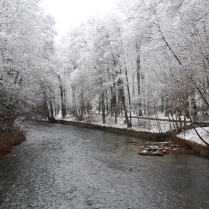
{"x": 66, "y": 167}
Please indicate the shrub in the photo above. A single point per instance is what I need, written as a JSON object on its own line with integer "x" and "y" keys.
{"x": 10, "y": 137}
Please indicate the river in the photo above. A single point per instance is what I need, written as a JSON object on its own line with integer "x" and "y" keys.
{"x": 66, "y": 167}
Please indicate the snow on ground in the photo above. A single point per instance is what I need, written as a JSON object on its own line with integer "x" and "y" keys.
{"x": 154, "y": 126}
{"x": 192, "y": 136}
{"x": 137, "y": 124}
{"x": 59, "y": 116}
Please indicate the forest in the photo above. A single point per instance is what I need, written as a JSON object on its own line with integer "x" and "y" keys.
{"x": 148, "y": 57}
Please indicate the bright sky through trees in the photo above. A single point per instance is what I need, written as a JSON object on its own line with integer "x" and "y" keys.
{"x": 68, "y": 13}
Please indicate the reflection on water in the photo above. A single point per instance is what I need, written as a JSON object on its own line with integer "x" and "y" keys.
{"x": 64, "y": 167}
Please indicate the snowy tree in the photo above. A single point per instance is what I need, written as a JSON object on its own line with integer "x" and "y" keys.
{"x": 26, "y": 44}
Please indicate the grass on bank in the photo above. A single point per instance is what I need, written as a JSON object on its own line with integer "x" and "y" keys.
{"x": 9, "y": 138}
{"x": 191, "y": 145}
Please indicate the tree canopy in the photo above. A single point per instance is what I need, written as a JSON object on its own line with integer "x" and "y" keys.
{"x": 147, "y": 57}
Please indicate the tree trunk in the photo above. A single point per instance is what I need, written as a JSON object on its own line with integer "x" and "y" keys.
{"x": 129, "y": 96}
{"x": 107, "y": 104}
{"x": 51, "y": 118}
{"x": 114, "y": 109}
{"x": 138, "y": 69}
{"x": 115, "y": 106}
{"x": 102, "y": 103}
{"x": 82, "y": 106}
{"x": 111, "y": 101}
{"x": 122, "y": 96}
{"x": 63, "y": 106}
{"x": 103, "y": 108}
{"x": 73, "y": 94}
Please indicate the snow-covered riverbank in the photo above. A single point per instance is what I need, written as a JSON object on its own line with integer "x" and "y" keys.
{"x": 192, "y": 136}
{"x": 153, "y": 126}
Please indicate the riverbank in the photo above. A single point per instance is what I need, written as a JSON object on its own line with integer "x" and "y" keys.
{"x": 10, "y": 138}
{"x": 185, "y": 145}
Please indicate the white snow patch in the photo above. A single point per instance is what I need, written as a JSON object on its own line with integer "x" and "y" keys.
{"x": 192, "y": 136}
{"x": 59, "y": 116}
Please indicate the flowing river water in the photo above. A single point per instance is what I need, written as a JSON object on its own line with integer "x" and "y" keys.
{"x": 66, "y": 167}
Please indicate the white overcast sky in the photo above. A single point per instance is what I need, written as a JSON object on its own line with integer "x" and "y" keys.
{"x": 68, "y": 13}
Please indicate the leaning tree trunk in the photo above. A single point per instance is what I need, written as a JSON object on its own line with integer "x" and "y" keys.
{"x": 206, "y": 143}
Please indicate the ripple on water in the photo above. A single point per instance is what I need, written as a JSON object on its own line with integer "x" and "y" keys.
{"x": 64, "y": 167}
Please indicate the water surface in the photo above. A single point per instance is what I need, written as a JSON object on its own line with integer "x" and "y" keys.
{"x": 66, "y": 167}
